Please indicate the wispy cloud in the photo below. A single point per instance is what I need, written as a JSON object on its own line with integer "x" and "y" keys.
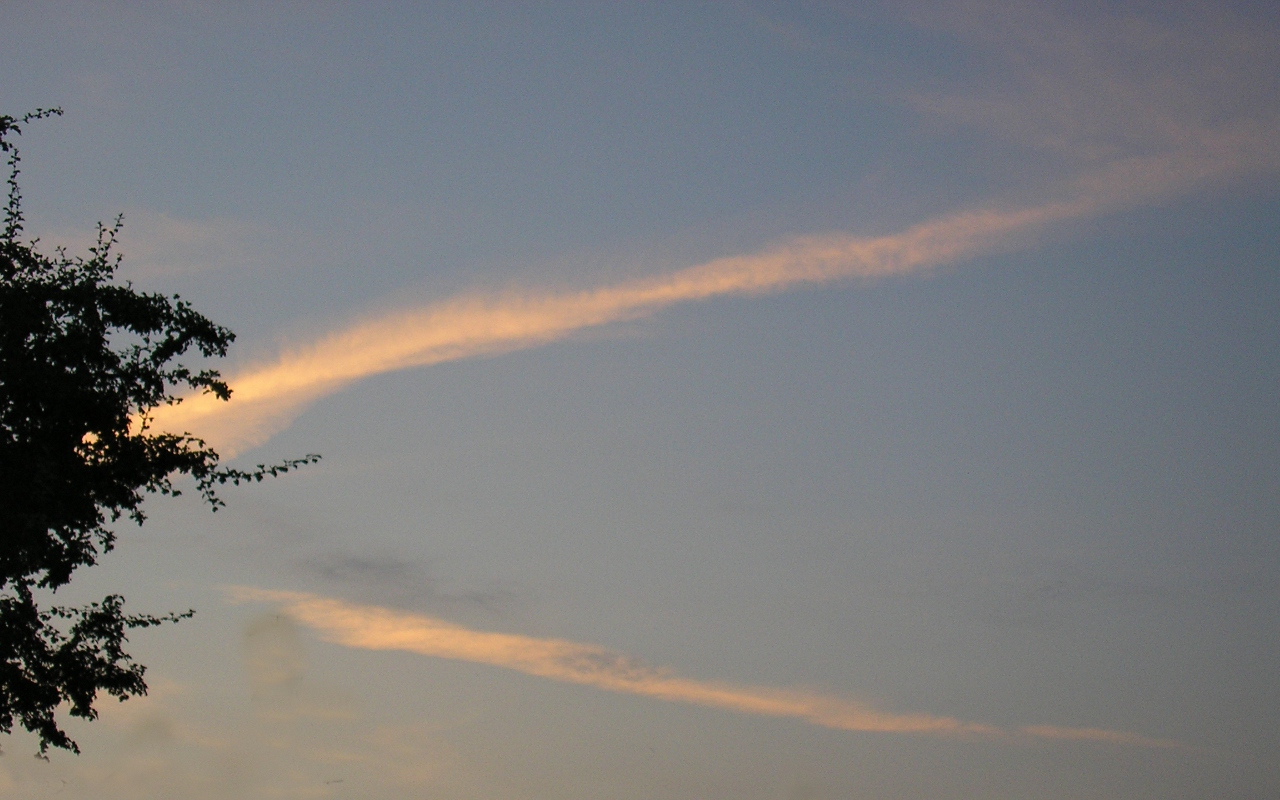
{"x": 392, "y": 581}
{"x": 159, "y": 245}
{"x": 376, "y": 628}
{"x": 267, "y": 398}
{"x": 1100, "y": 735}
{"x": 1107, "y": 83}
{"x": 1130, "y": 105}
{"x": 209, "y": 742}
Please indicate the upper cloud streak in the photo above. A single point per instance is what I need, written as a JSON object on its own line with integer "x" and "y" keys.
{"x": 267, "y": 398}
{"x": 1128, "y": 104}
{"x": 375, "y": 628}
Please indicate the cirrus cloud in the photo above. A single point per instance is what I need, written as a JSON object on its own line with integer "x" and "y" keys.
{"x": 366, "y": 627}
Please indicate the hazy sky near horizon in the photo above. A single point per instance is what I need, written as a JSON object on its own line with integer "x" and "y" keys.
{"x": 716, "y": 400}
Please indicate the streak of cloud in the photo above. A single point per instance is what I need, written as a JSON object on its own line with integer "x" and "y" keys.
{"x": 1108, "y": 84}
{"x": 267, "y": 398}
{"x": 1135, "y": 128}
{"x": 375, "y": 628}
{"x": 160, "y": 245}
{"x": 1096, "y": 735}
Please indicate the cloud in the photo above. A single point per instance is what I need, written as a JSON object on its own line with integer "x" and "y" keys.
{"x": 1096, "y": 735}
{"x": 283, "y": 735}
{"x": 1105, "y": 84}
{"x": 273, "y": 655}
{"x": 160, "y": 245}
{"x": 207, "y": 750}
{"x": 375, "y": 628}
{"x": 1140, "y": 111}
{"x": 392, "y": 581}
{"x": 268, "y": 397}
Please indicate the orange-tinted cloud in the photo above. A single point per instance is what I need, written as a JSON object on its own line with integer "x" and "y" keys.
{"x": 267, "y": 398}
{"x": 375, "y": 628}
{"x": 1130, "y": 130}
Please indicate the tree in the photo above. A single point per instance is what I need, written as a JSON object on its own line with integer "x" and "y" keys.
{"x": 83, "y": 362}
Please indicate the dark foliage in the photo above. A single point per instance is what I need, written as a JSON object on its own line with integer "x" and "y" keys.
{"x": 82, "y": 363}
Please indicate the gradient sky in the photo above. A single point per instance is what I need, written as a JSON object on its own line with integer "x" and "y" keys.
{"x": 716, "y": 400}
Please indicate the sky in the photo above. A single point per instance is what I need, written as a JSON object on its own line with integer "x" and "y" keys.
{"x": 728, "y": 400}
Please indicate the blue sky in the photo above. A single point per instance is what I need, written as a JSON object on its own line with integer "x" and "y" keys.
{"x": 725, "y": 400}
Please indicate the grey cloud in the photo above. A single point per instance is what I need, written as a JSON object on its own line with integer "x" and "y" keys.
{"x": 274, "y": 655}
{"x": 388, "y": 580}
{"x": 1107, "y": 83}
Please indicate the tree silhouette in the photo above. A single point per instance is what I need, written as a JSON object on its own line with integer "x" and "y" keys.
{"x": 83, "y": 362}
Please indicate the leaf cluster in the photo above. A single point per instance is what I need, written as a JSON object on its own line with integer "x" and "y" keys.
{"x": 83, "y": 362}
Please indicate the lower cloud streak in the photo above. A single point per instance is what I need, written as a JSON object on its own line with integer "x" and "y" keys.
{"x": 375, "y": 628}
